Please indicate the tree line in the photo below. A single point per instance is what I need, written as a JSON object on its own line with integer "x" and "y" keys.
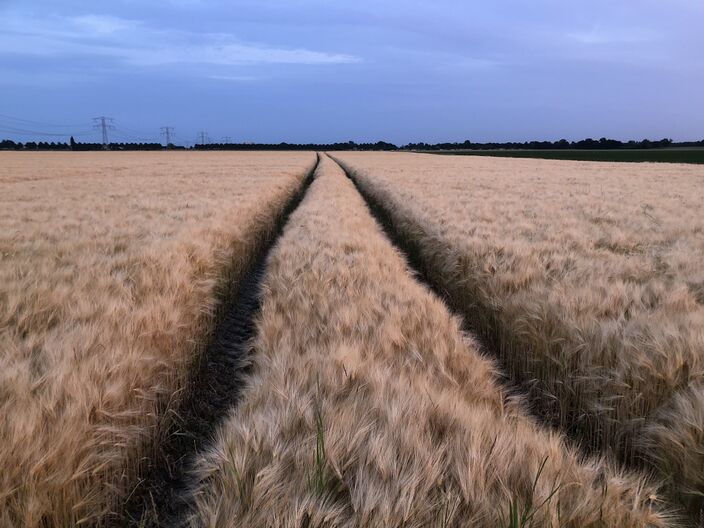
{"x": 348, "y": 145}
{"x": 8, "y": 144}
{"x": 562, "y": 144}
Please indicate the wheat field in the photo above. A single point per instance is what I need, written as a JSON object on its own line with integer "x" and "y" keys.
{"x": 586, "y": 280}
{"x": 368, "y": 406}
{"x": 111, "y": 270}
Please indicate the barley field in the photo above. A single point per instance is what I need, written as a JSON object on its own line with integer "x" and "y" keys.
{"x": 111, "y": 266}
{"x": 585, "y": 281}
{"x": 368, "y": 406}
{"x": 435, "y": 341}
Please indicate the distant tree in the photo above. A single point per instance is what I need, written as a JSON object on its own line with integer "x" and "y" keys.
{"x": 72, "y": 142}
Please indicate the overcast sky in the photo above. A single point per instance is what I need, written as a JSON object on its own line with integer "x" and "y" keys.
{"x": 323, "y": 71}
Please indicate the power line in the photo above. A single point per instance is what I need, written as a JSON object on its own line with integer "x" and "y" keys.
{"x": 17, "y": 126}
{"x": 167, "y": 132}
{"x": 131, "y": 137}
{"x": 107, "y": 127}
{"x": 30, "y": 122}
{"x": 24, "y": 132}
{"x": 104, "y": 124}
{"x": 129, "y": 130}
{"x": 203, "y": 138}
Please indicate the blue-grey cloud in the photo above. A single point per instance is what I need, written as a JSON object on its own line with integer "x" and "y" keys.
{"x": 325, "y": 70}
{"x": 137, "y": 43}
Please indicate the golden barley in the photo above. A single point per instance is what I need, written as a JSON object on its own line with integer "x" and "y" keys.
{"x": 586, "y": 277}
{"x": 111, "y": 265}
{"x": 368, "y": 406}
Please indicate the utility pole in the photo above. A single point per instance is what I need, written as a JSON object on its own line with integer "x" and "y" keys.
{"x": 167, "y": 132}
{"x": 104, "y": 124}
{"x": 202, "y": 137}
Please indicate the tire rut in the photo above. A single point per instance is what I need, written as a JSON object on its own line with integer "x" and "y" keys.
{"x": 215, "y": 387}
{"x": 412, "y": 252}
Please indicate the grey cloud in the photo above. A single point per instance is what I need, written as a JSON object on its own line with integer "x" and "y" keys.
{"x": 138, "y": 44}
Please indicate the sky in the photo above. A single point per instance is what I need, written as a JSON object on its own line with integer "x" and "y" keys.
{"x": 327, "y": 71}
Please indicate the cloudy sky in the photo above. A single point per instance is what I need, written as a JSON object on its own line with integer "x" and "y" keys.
{"x": 323, "y": 71}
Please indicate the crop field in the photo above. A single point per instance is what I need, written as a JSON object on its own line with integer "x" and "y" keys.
{"x": 111, "y": 266}
{"x": 370, "y": 407}
{"x": 585, "y": 281}
{"x": 664, "y": 155}
{"x": 211, "y": 339}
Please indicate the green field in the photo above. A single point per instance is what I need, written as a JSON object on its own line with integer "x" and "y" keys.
{"x": 692, "y": 155}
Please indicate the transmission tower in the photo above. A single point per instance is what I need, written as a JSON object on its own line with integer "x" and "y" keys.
{"x": 203, "y": 137}
{"x": 168, "y": 133}
{"x": 104, "y": 124}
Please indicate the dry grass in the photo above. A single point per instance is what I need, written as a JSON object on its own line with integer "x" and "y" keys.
{"x": 588, "y": 279}
{"x": 368, "y": 406}
{"x": 111, "y": 266}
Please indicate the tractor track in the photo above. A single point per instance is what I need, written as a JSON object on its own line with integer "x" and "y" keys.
{"x": 161, "y": 499}
{"x": 489, "y": 339}
{"x": 412, "y": 252}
